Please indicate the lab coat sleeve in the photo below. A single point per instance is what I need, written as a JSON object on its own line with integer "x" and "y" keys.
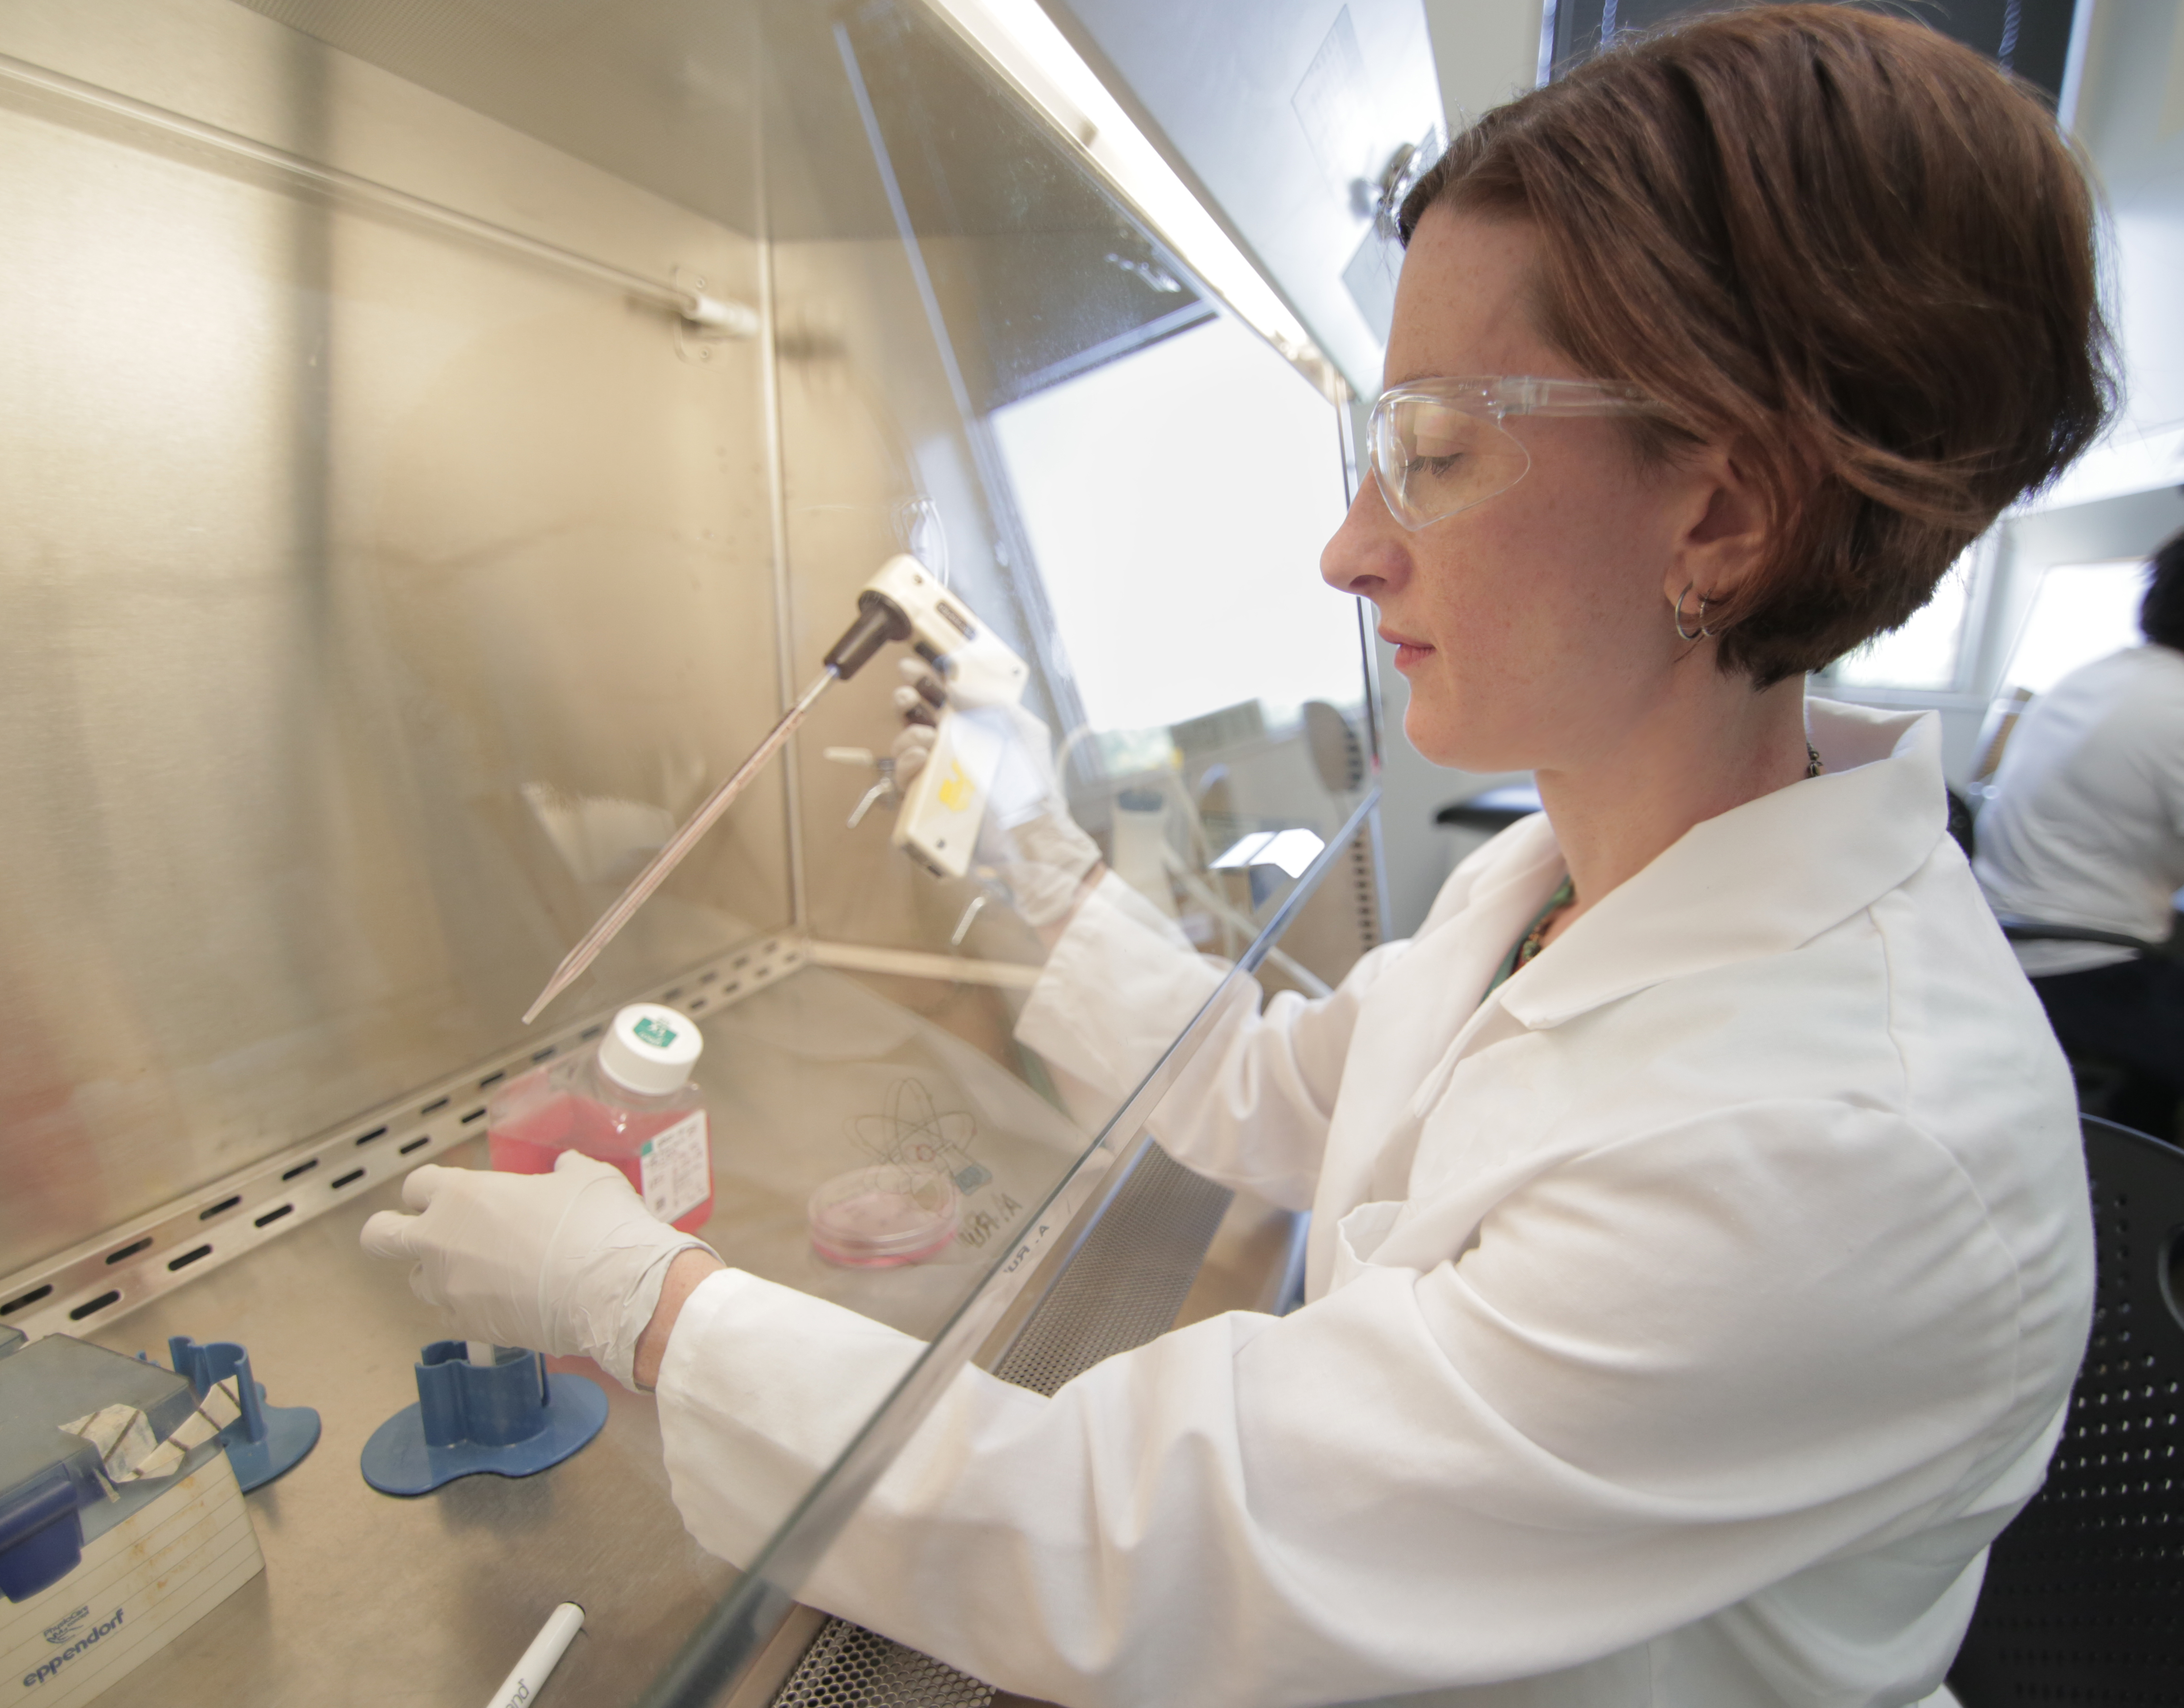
{"x": 1252, "y": 1107}
{"x": 1666, "y": 1374}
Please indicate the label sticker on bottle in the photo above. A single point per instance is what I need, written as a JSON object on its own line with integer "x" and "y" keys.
{"x": 677, "y": 1168}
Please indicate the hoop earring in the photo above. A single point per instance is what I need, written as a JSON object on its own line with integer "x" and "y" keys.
{"x": 1704, "y": 633}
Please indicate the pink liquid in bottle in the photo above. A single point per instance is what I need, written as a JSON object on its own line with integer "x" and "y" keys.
{"x": 659, "y": 1139}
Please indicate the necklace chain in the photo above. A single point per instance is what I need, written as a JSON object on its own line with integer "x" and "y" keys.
{"x": 1565, "y": 894}
{"x": 1556, "y": 903}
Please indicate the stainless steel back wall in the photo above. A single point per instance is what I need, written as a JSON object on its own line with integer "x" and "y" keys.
{"x": 370, "y": 597}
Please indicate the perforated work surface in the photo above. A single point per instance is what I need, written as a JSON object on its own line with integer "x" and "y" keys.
{"x": 2084, "y": 1599}
{"x": 848, "y": 1666}
{"x": 1122, "y": 1288}
{"x": 1126, "y": 1284}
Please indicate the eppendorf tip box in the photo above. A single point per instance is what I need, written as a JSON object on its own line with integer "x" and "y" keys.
{"x": 113, "y": 1541}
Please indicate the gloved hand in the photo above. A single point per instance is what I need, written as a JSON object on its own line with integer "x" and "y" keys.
{"x": 1027, "y": 841}
{"x": 570, "y": 1262}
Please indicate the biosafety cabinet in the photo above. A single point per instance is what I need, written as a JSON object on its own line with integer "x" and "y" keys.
{"x": 436, "y": 440}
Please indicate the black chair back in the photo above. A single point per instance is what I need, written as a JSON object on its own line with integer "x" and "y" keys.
{"x": 2084, "y": 1597}
{"x": 2018, "y": 929}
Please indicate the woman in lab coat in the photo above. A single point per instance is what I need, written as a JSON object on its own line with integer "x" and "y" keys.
{"x": 1700, "y": 1255}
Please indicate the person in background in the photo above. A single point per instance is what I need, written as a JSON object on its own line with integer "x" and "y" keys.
{"x": 2086, "y": 827}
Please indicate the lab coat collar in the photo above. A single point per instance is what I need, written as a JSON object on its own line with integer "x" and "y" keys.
{"x": 1761, "y": 878}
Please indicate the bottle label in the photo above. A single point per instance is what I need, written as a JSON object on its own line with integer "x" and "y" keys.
{"x": 676, "y": 1166}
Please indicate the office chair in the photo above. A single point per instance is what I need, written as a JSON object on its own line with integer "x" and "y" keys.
{"x": 1492, "y": 810}
{"x": 2084, "y": 1597}
{"x": 2106, "y": 1088}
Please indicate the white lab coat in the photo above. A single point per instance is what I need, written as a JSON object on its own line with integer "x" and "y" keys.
{"x": 2086, "y": 824}
{"x": 1683, "y": 1320}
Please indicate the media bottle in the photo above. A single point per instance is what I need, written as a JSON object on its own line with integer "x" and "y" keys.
{"x": 628, "y": 1100}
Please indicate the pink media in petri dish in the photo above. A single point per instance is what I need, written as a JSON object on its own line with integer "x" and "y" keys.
{"x": 878, "y": 1218}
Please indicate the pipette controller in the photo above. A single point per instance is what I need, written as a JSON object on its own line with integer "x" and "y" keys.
{"x": 946, "y": 801}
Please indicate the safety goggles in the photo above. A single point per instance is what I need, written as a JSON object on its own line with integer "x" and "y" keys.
{"x": 1438, "y": 446}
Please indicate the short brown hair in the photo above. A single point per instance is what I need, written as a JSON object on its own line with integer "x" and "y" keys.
{"x": 1843, "y": 244}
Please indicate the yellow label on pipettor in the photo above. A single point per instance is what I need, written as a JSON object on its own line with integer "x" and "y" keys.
{"x": 956, "y": 791}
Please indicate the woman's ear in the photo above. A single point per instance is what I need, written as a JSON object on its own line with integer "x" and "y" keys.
{"x": 1724, "y": 541}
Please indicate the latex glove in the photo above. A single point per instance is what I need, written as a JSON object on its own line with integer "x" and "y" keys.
{"x": 570, "y": 1262}
{"x": 1027, "y": 841}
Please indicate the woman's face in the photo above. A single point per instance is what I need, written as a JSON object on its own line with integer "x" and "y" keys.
{"x": 1533, "y": 628}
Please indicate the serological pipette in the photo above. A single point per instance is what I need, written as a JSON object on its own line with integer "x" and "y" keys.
{"x": 901, "y": 603}
{"x": 670, "y": 853}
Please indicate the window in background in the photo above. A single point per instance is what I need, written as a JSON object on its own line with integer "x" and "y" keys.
{"x": 2082, "y": 612}
{"x": 1205, "y": 450}
{"x": 1928, "y": 651}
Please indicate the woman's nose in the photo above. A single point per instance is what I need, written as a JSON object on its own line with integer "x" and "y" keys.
{"x": 1367, "y": 555}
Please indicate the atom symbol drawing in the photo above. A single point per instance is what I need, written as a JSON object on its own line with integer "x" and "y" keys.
{"x": 912, "y": 1130}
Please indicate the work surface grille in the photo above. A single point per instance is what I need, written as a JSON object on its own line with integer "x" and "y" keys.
{"x": 1122, "y": 1288}
{"x": 848, "y": 1667}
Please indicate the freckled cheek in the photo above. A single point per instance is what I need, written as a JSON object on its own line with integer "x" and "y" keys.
{"x": 1570, "y": 561}
{"x": 1484, "y": 652}
{"x": 1490, "y": 599}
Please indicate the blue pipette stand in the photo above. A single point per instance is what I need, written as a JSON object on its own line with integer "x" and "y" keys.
{"x": 266, "y": 1440}
{"x": 511, "y": 1417}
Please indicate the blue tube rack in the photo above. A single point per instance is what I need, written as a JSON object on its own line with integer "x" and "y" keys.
{"x": 511, "y": 1417}
{"x": 266, "y": 1440}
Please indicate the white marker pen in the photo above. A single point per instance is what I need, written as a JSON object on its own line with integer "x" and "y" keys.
{"x": 521, "y": 1687}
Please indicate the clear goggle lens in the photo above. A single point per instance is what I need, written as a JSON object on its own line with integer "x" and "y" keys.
{"x": 1432, "y": 460}
{"x": 1439, "y": 446}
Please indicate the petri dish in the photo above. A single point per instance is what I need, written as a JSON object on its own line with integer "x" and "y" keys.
{"x": 878, "y": 1218}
